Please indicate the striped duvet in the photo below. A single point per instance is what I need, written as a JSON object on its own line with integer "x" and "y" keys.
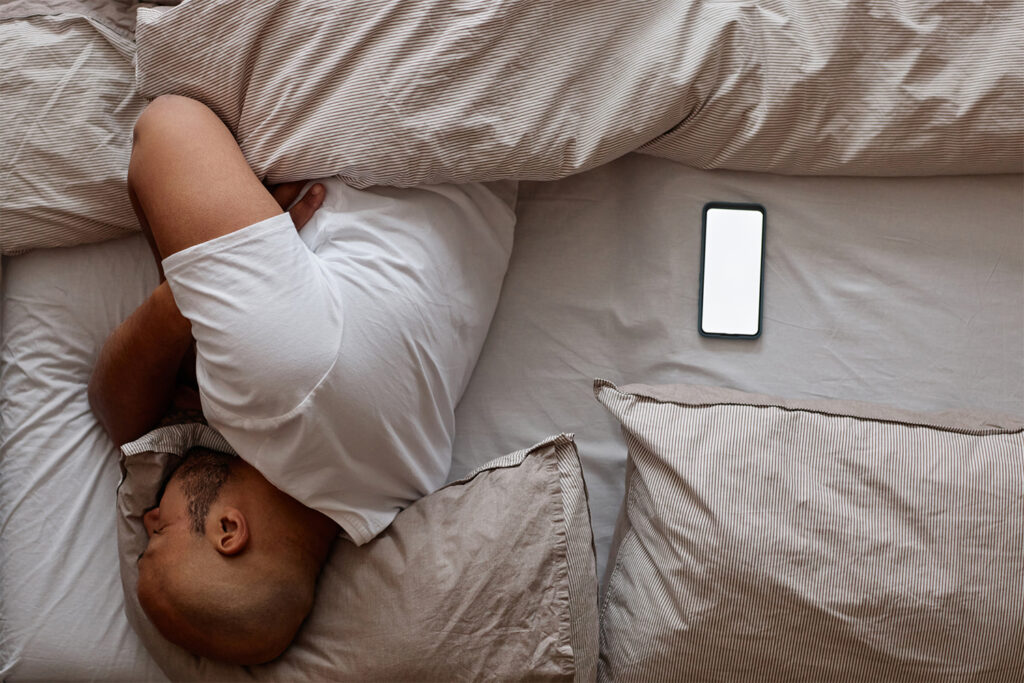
{"x": 420, "y": 91}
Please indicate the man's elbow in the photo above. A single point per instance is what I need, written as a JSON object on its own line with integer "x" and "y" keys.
{"x": 96, "y": 400}
{"x": 99, "y": 403}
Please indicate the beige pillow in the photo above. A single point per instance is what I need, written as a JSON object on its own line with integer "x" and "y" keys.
{"x": 492, "y": 577}
{"x": 777, "y": 540}
{"x": 69, "y": 104}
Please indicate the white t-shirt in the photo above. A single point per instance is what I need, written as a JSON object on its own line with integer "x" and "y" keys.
{"x": 332, "y": 359}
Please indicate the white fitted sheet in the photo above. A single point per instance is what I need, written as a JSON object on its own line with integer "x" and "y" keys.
{"x": 59, "y": 584}
{"x": 908, "y": 292}
{"x": 901, "y": 291}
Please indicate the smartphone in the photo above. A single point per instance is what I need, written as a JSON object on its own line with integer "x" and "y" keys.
{"x": 731, "y": 270}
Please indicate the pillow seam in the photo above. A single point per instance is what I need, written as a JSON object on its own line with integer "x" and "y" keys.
{"x": 997, "y": 431}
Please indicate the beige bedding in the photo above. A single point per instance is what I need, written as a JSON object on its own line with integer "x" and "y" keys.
{"x": 423, "y": 91}
{"x": 68, "y": 105}
{"x": 812, "y": 540}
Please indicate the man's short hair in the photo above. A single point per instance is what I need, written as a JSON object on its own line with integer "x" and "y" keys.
{"x": 202, "y": 473}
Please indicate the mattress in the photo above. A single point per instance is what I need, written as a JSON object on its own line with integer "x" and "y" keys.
{"x": 908, "y": 292}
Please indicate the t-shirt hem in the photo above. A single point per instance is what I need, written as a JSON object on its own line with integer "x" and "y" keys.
{"x": 229, "y": 418}
{"x": 249, "y": 233}
{"x": 354, "y": 527}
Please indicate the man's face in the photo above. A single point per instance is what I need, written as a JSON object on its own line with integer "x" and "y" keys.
{"x": 170, "y": 538}
{"x": 166, "y": 570}
{"x": 178, "y": 521}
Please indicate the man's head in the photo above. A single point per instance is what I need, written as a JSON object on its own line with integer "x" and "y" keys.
{"x": 231, "y": 565}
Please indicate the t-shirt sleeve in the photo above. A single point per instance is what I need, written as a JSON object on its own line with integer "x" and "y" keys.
{"x": 266, "y": 320}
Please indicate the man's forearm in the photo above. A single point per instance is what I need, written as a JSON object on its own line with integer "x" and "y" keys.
{"x": 134, "y": 380}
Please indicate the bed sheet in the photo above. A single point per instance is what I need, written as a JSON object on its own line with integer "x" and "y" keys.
{"x": 62, "y": 605}
{"x": 901, "y": 291}
{"x": 907, "y": 292}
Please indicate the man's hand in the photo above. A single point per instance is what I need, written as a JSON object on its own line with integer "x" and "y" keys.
{"x": 303, "y": 209}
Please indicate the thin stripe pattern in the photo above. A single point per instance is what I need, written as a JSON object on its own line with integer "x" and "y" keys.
{"x": 428, "y": 91}
{"x": 765, "y": 543}
{"x": 580, "y": 554}
{"x": 69, "y": 104}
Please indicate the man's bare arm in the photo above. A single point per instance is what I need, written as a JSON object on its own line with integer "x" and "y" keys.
{"x": 134, "y": 382}
{"x": 188, "y": 182}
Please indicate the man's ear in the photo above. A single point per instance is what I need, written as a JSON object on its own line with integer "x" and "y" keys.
{"x": 230, "y": 532}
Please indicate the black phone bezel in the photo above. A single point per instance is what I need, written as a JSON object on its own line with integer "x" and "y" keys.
{"x": 746, "y": 206}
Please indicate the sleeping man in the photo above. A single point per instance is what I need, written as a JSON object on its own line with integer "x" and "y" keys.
{"x": 330, "y": 358}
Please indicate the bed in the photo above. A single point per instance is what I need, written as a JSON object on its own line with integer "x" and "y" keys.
{"x": 904, "y": 291}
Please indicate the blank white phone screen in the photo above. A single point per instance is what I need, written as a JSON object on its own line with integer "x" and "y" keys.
{"x": 732, "y": 271}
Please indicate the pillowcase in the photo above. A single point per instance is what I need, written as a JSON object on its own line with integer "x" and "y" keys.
{"x": 431, "y": 91}
{"x": 69, "y": 104}
{"x": 780, "y": 540}
{"x": 492, "y": 576}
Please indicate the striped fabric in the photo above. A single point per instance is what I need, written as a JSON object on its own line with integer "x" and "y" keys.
{"x": 425, "y": 91}
{"x": 772, "y": 540}
{"x": 579, "y": 544}
{"x": 421, "y": 91}
{"x": 490, "y": 578}
{"x": 113, "y": 15}
{"x": 68, "y": 106}
{"x": 178, "y": 439}
{"x": 580, "y": 560}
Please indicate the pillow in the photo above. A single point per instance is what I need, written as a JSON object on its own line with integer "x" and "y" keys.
{"x": 780, "y": 540}
{"x": 492, "y": 576}
{"x": 430, "y": 91}
{"x": 69, "y": 104}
